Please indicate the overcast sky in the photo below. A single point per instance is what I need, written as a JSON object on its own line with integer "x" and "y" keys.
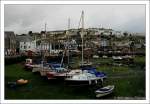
{"x": 24, "y": 18}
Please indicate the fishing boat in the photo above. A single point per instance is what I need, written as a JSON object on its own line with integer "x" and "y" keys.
{"x": 104, "y": 91}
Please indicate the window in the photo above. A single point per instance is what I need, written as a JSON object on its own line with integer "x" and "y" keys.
{"x": 24, "y": 47}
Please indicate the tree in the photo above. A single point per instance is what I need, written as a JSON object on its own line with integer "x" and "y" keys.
{"x": 42, "y": 32}
{"x": 30, "y": 32}
{"x": 125, "y": 34}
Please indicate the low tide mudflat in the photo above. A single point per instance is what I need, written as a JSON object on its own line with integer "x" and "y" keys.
{"x": 129, "y": 81}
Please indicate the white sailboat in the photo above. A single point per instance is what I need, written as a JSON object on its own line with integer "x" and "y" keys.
{"x": 83, "y": 77}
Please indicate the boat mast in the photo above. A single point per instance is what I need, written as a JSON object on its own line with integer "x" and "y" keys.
{"x": 82, "y": 33}
{"x": 44, "y": 42}
{"x": 45, "y": 39}
{"x": 43, "y": 47}
{"x": 68, "y": 38}
{"x": 67, "y": 34}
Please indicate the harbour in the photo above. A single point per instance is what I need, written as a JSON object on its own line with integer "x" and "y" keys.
{"x": 81, "y": 63}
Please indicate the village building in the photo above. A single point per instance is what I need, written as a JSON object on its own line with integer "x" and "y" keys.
{"x": 10, "y": 43}
{"x": 26, "y": 43}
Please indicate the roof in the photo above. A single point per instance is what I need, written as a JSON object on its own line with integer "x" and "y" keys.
{"x": 9, "y": 34}
{"x": 24, "y": 38}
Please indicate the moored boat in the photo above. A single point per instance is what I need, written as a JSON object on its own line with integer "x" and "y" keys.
{"x": 83, "y": 78}
{"x": 28, "y": 64}
{"x": 104, "y": 91}
{"x": 93, "y": 70}
{"x": 57, "y": 71}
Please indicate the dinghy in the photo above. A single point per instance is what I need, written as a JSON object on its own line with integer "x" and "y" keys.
{"x": 104, "y": 91}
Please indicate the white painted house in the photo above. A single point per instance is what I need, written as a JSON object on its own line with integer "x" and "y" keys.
{"x": 26, "y": 43}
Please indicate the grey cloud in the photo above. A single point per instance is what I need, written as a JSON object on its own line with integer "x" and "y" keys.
{"x": 23, "y": 18}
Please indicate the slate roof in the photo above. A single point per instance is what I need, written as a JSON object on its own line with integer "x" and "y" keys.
{"x": 9, "y": 34}
{"x": 24, "y": 38}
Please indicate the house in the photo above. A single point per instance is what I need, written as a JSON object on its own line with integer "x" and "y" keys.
{"x": 10, "y": 43}
{"x": 26, "y": 43}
